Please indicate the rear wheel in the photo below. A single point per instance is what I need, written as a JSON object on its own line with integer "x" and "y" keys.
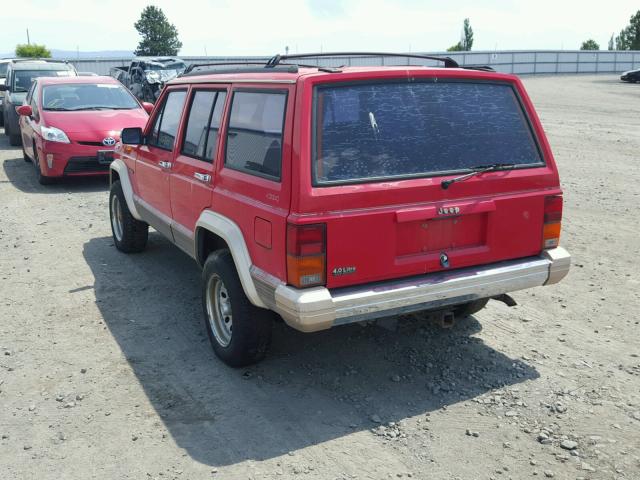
{"x": 240, "y": 333}
{"x": 129, "y": 234}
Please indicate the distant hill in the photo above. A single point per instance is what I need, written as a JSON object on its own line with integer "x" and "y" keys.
{"x": 72, "y": 54}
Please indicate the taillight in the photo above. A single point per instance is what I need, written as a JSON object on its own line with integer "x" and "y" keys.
{"x": 306, "y": 255}
{"x": 552, "y": 221}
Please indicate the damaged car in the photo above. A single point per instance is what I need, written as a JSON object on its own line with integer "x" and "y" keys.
{"x": 145, "y": 77}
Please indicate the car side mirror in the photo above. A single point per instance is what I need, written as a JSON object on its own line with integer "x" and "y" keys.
{"x": 25, "y": 110}
{"x": 131, "y": 136}
{"x": 148, "y": 107}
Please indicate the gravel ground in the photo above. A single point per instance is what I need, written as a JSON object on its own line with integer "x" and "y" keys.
{"x": 106, "y": 372}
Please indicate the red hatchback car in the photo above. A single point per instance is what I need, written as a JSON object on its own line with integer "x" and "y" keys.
{"x": 70, "y": 125}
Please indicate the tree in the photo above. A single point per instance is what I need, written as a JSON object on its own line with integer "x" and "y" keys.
{"x": 466, "y": 39}
{"x": 629, "y": 37}
{"x": 590, "y": 44}
{"x": 159, "y": 37}
{"x": 32, "y": 51}
{"x": 610, "y": 46}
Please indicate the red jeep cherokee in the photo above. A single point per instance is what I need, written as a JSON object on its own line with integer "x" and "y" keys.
{"x": 338, "y": 195}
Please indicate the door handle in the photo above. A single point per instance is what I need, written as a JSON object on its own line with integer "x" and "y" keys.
{"x": 203, "y": 177}
{"x": 165, "y": 164}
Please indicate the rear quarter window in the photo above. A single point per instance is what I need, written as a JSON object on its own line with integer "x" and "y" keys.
{"x": 366, "y": 132}
{"x": 254, "y": 135}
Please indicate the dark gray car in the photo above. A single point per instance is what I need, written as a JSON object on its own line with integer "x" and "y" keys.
{"x": 4, "y": 64}
{"x": 20, "y": 75}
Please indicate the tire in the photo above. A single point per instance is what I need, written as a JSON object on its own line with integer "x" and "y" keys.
{"x": 42, "y": 179}
{"x": 14, "y": 138}
{"x": 471, "y": 308}
{"x": 129, "y": 234}
{"x": 2, "y": 119}
{"x": 240, "y": 333}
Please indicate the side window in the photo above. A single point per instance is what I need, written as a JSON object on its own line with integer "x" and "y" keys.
{"x": 214, "y": 126}
{"x": 153, "y": 136}
{"x": 35, "y": 95}
{"x": 197, "y": 135}
{"x": 166, "y": 123}
{"x": 254, "y": 136}
{"x": 30, "y": 93}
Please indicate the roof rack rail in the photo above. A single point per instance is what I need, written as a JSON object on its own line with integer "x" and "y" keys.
{"x": 483, "y": 68}
{"x": 289, "y": 67}
{"x": 448, "y": 61}
{"x": 32, "y": 59}
{"x": 246, "y": 67}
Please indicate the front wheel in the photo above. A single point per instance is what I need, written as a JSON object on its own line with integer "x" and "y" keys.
{"x": 240, "y": 333}
{"x": 42, "y": 179}
{"x": 129, "y": 234}
{"x": 14, "y": 138}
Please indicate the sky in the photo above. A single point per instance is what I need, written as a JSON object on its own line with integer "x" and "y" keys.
{"x": 236, "y": 27}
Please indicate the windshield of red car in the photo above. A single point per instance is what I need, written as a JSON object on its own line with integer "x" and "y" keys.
{"x": 369, "y": 131}
{"x": 87, "y": 96}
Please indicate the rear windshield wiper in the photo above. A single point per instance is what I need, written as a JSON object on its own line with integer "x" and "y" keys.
{"x": 477, "y": 170}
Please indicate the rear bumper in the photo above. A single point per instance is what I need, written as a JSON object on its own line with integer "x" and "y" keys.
{"x": 319, "y": 308}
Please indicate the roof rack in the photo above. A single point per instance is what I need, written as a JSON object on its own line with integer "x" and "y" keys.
{"x": 237, "y": 69}
{"x": 249, "y": 67}
{"x": 33, "y": 59}
{"x": 483, "y": 68}
{"x": 448, "y": 61}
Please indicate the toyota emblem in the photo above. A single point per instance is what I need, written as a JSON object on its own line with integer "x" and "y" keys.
{"x": 109, "y": 141}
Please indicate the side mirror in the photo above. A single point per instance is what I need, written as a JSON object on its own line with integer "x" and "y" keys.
{"x": 148, "y": 107}
{"x": 25, "y": 110}
{"x": 4, "y": 88}
{"x": 131, "y": 136}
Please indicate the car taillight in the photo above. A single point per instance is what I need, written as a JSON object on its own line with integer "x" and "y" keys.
{"x": 552, "y": 221}
{"x": 306, "y": 255}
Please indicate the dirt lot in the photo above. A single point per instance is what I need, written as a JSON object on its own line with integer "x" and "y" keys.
{"x": 106, "y": 372}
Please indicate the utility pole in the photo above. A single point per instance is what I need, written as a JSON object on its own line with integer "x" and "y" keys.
{"x": 28, "y": 41}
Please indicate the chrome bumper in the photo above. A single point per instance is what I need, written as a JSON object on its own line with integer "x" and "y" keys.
{"x": 319, "y": 308}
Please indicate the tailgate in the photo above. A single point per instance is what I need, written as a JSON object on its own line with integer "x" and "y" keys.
{"x": 379, "y": 152}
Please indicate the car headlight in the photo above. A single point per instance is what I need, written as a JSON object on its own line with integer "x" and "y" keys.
{"x": 152, "y": 77}
{"x": 53, "y": 134}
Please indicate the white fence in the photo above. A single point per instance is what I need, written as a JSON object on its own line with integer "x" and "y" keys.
{"x": 519, "y": 62}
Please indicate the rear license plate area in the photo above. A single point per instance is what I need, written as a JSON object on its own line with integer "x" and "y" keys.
{"x": 440, "y": 234}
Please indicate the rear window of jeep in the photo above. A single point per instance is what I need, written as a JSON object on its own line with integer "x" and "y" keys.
{"x": 376, "y": 131}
